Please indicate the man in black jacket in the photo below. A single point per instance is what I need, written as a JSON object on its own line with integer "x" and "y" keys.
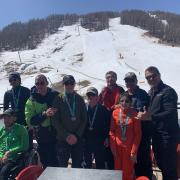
{"x": 97, "y": 130}
{"x": 16, "y": 97}
{"x": 140, "y": 99}
{"x": 163, "y": 113}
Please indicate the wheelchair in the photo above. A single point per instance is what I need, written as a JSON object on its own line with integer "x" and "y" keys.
{"x": 25, "y": 159}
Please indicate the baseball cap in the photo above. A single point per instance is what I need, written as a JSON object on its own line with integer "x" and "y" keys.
{"x": 92, "y": 90}
{"x": 8, "y": 112}
{"x": 68, "y": 79}
{"x": 14, "y": 75}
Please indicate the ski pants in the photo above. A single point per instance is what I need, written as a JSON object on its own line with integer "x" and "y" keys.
{"x": 65, "y": 151}
{"x": 166, "y": 157}
{"x": 98, "y": 149}
{"x": 124, "y": 163}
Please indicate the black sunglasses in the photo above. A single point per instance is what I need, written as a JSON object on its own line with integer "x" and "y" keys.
{"x": 40, "y": 83}
{"x": 153, "y": 76}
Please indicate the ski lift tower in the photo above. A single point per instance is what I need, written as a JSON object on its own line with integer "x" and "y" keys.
{"x": 79, "y": 24}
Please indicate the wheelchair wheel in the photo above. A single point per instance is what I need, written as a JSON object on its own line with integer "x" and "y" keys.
{"x": 33, "y": 159}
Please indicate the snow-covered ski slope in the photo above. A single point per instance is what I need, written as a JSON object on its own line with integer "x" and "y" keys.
{"x": 89, "y": 55}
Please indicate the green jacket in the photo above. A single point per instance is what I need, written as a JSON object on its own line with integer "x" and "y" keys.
{"x": 35, "y": 106}
{"x": 34, "y": 110}
{"x": 14, "y": 140}
{"x": 62, "y": 119}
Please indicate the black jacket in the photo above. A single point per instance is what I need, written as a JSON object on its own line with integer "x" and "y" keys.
{"x": 21, "y": 94}
{"x": 101, "y": 124}
{"x": 140, "y": 98}
{"x": 164, "y": 115}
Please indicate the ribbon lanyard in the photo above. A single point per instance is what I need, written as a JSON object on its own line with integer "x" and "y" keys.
{"x": 16, "y": 98}
{"x": 123, "y": 127}
{"x": 91, "y": 121}
{"x": 72, "y": 110}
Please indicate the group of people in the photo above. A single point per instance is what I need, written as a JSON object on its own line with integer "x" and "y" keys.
{"x": 116, "y": 128}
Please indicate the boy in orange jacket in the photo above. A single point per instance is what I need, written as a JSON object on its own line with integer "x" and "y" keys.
{"x": 125, "y": 136}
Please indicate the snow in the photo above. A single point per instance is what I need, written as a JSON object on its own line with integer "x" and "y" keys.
{"x": 165, "y": 22}
{"x": 89, "y": 55}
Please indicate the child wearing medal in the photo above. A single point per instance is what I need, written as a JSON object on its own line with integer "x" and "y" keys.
{"x": 96, "y": 132}
{"x": 125, "y": 136}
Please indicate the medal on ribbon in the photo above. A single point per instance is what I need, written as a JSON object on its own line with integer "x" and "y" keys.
{"x": 123, "y": 126}
{"x": 91, "y": 121}
{"x": 16, "y": 98}
{"x": 71, "y": 109}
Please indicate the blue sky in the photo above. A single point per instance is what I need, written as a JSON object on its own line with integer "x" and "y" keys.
{"x": 24, "y": 10}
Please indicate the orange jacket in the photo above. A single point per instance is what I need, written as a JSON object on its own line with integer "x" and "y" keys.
{"x": 110, "y": 97}
{"x": 133, "y": 132}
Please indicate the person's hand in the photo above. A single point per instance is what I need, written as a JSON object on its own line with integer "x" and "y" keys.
{"x": 50, "y": 112}
{"x": 133, "y": 158}
{"x": 106, "y": 142}
{"x": 143, "y": 116}
{"x": 5, "y": 157}
{"x": 7, "y": 153}
{"x": 116, "y": 106}
{"x": 71, "y": 139}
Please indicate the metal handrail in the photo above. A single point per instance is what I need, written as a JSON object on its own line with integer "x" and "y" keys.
{"x": 178, "y": 105}
{"x": 2, "y": 106}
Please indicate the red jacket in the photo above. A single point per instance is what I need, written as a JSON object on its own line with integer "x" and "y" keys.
{"x": 133, "y": 132}
{"x": 110, "y": 97}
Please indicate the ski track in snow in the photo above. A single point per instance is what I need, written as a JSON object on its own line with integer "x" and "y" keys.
{"x": 89, "y": 55}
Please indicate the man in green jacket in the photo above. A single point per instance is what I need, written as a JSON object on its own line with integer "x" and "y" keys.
{"x": 13, "y": 141}
{"x": 69, "y": 121}
{"x": 38, "y": 112}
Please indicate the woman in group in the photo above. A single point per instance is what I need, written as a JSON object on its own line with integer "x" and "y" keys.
{"x": 38, "y": 113}
{"x": 125, "y": 136}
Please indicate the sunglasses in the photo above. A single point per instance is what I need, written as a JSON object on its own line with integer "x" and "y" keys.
{"x": 13, "y": 79}
{"x": 40, "y": 83}
{"x": 153, "y": 76}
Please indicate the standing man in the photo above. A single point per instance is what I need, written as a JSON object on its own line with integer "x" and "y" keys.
{"x": 69, "y": 122}
{"x": 16, "y": 97}
{"x": 163, "y": 114}
{"x": 96, "y": 132}
{"x": 140, "y": 99}
{"x": 39, "y": 112}
{"x": 109, "y": 97}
